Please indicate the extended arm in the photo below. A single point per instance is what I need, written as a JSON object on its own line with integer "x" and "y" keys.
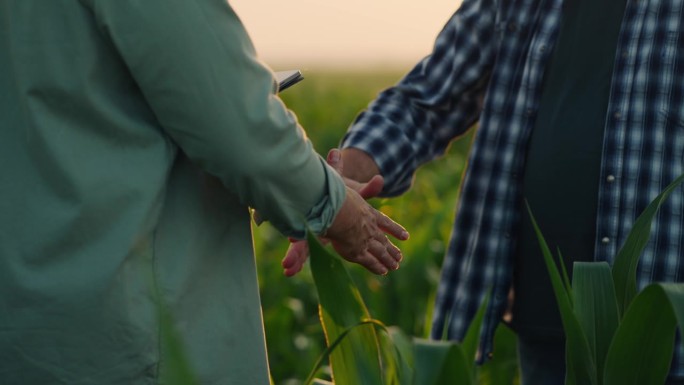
{"x": 197, "y": 70}
{"x": 440, "y": 99}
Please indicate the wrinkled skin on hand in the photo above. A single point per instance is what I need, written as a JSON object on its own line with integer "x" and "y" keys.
{"x": 358, "y": 233}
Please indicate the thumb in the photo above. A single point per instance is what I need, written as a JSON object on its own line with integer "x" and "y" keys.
{"x": 372, "y": 188}
{"x": 335, "y": 160}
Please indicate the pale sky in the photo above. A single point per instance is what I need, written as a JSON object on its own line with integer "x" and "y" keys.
{"x": 314, "y": 34}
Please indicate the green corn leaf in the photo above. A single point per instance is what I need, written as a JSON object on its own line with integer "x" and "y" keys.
{"x": 444, "y": 362}
{"x": 675, "y": 294}
{"x": 356, "y": 360}
{"x": 627, "y": 259}
{"x": 396, "y": 355}
{"x": 580, "y": 367}
{"x": 643, "y": 344}
{"x": 397, "y": 350}
{"x": 333, "y": 345}
{"x": 595, "y": 307}
{"x": 566, "y": 277}
{"x": 441, "y": 362}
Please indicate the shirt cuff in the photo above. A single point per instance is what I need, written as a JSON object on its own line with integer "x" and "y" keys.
{"x": 322, "y": 215}
{"x": 398, "y": 174}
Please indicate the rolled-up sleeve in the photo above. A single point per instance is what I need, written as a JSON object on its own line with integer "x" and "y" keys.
{"x": 197, "y": 69}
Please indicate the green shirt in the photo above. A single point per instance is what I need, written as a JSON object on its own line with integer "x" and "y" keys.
{"x": 564, "y": 158}
{"x": 134, "y": 135}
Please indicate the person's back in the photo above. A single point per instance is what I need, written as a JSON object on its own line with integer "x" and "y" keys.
{"x": 97, "y": 210}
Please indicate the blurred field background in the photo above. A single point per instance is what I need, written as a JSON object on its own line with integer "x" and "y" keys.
{"x": 326, "y": 103}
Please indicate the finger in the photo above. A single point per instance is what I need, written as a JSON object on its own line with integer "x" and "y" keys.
{"x": 293, "y": 270}
{"x": 372, "y": 264}
{"x": 354, "y": 185}
{"x": 361, "y": 256}
{"x": 378, "y": 249}
{"x": 334, "y": 159}
{"x": 372, "y": 188}
{"x": 295, "y": 257}
{"x": 294, "y": 253}
{"x": 393, "y": 250}
{"x": 391, "y": 227}
{"x": 367, "y": 190}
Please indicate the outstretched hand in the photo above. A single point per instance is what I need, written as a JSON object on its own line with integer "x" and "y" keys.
{"x": 358, "y": 233}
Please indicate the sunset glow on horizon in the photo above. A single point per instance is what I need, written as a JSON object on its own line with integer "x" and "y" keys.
{"x": 314, "y": 34}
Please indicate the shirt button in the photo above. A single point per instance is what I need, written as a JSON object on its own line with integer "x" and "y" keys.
{"x": 605, "y": 240}
{"x": 617, "y": 115}
{"x": 610, "y": 178}
{"x": 542, "y": 48}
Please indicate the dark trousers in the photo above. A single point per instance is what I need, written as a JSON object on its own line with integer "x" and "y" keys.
{"x": 542, "y": 362}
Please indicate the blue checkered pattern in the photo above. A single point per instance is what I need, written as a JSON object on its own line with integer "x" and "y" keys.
{"x": 487, "y": 65}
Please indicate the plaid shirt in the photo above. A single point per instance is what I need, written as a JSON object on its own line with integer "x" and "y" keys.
{"x": 487, "y": 66}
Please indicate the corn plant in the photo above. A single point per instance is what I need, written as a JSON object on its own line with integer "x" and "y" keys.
{"x": 614, "y": 335}
{"x": 363, "y": 351}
